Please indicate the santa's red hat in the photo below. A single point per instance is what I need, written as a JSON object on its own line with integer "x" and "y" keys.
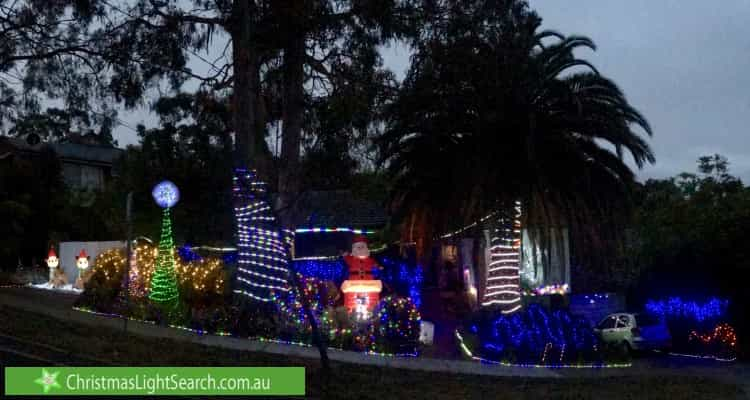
{"x": 82, "y": 254}
{"x": 51, "y": 253}
{"x": 359, "y": 239}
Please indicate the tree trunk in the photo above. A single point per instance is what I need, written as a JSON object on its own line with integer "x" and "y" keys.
{"x": 292, "y": 117}
{"x": 246, "y": 67}
{"x": 289, "y": 184}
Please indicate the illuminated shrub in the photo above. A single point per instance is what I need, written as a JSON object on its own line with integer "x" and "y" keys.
{"x": 295, "y": 324}
{"x": 103, "y": 285}
{"x": 535, "y": 336}
{"x": 395, "y": 326}
{"x": 202, "y": 282}
{"x": 719, "y": 343}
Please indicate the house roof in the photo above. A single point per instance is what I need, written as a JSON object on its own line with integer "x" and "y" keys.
{"x": 75, "y": 152}
{"x": 84, "y": 152}
{"x": 338, "y": 208}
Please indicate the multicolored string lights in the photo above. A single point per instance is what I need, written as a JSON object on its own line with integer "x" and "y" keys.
{"x": 262, "y": 251}
{"x": 334, "y": 230}
{"x": 548, "y": 290}
{"x": 503, "y": 277}
{"x": 395, "y": 326}
{"x": 721, "y": 343}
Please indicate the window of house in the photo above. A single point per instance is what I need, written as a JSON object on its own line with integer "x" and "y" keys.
{"x": 608, "y": 323}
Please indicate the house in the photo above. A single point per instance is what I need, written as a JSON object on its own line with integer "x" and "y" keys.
{"x": 325, "y": 221}
{"x": 465, "y": 256}
{"x": 85, "y": 163}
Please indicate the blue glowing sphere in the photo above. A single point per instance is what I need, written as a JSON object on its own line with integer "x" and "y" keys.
{"x": 166, "y": 194}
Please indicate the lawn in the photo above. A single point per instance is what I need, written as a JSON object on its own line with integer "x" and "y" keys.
{"x": 347, "y": 380}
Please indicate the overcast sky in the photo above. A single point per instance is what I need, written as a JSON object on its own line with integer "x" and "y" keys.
{"x": 685, "y": 64}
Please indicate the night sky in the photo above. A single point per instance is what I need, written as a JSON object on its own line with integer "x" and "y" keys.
{"x": 685, "y": 64}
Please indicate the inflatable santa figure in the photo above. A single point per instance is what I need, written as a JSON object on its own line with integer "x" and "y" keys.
{"x": 52, "y": 263}
{"x": 361, "y": 290}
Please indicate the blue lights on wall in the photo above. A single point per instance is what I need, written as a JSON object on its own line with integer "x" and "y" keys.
{"x": 676, "y": 307}
{"x": 329, "y": 270}
{"x": 187, "y": 254}
{"x": 401, "y": 276}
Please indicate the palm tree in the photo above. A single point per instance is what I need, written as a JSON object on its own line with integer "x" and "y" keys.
{"x": 493, "y": 111}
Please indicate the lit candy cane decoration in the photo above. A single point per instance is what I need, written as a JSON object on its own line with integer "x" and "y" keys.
{"x": 262, "y": 253}
{"x": 503, "y": 278}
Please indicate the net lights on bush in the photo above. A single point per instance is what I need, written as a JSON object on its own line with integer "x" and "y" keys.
{"x": 466, "y": 351}
{"x": 289, "y": 303}
{"x": 676, "y": 307}
{"x": 204, "y": 276}
{"x": 110, "y": 264}
{"x": 722, "y": 333}
{"x": 142, "y": 269}
{"x": 719, "y": 344}
{"x": 536, "y": 336}
{"x": 396, "y": 324}
{"x": 549, "y": 290}
{"x": 503, "y": 278}
{"x": 262, "y": 252}
{"x": 164, "y": 278}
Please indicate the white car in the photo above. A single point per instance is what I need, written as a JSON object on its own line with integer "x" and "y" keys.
{"x": 634, "y": 331}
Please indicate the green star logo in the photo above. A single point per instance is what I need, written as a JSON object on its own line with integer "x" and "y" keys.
{"x": 48, "y": 380}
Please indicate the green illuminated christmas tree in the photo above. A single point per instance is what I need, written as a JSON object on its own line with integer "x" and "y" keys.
{"x": 164, "y": 278}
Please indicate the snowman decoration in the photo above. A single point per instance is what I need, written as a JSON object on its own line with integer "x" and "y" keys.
{"x": 52, "y": 263}
{"x": 361, "y": 290}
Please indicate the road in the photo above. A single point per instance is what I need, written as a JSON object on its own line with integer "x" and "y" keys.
{"x": 20, "y": 352}
{"x": 17, "y": 360}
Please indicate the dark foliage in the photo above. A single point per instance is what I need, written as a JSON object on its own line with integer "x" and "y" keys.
{"x": 690, "y": 238}
{"x": 493, "y": 110}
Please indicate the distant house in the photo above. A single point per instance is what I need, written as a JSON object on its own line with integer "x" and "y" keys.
{"x": 85, "y": 163}
{"x": 325, "y": 221}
